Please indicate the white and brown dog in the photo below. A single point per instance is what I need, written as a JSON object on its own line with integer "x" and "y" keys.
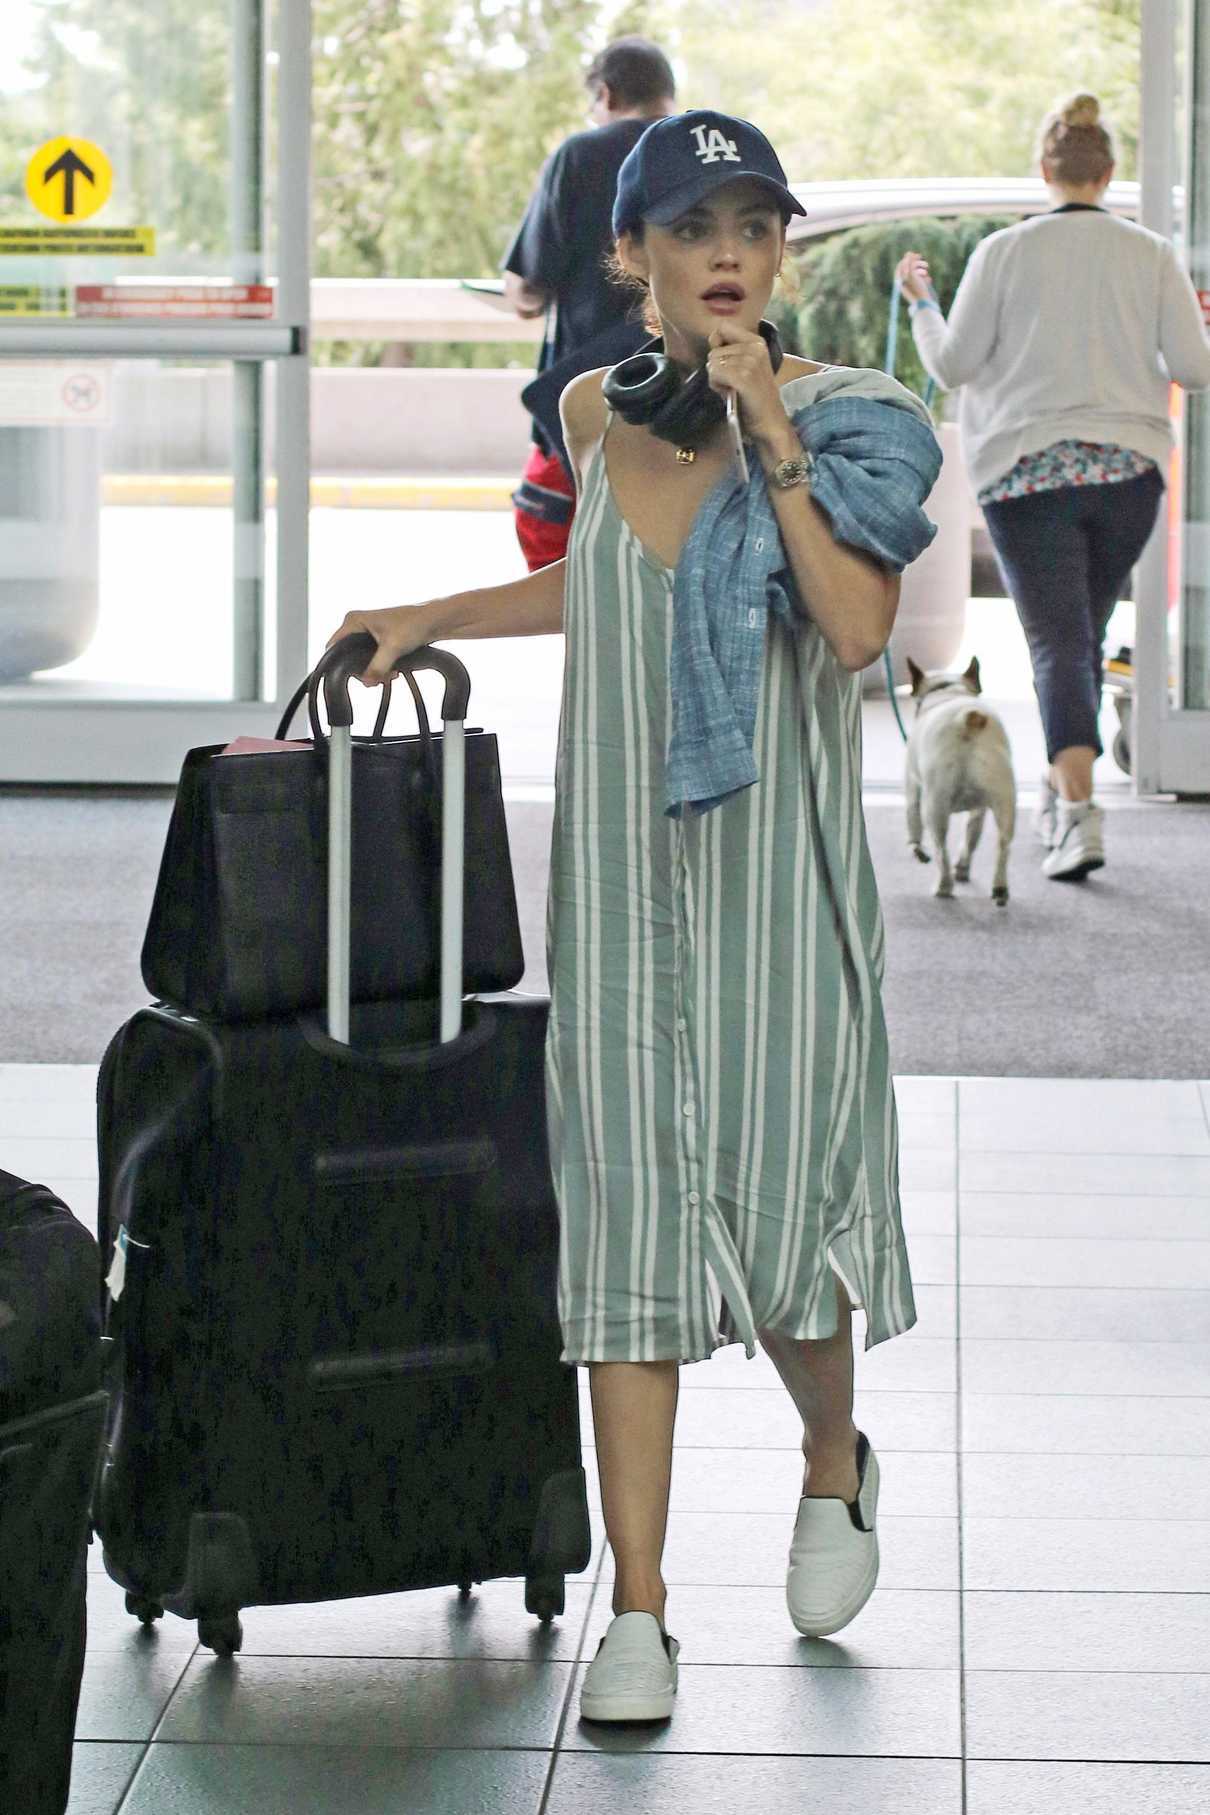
{"x": 958, "y": 761}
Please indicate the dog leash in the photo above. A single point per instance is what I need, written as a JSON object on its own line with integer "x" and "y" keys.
{"x": 892, "y": 347}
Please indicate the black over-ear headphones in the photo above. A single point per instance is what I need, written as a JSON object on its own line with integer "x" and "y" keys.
{"x": 648, "y": 388}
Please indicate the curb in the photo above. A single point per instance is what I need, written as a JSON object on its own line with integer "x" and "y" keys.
{"x": 363, "y": 493}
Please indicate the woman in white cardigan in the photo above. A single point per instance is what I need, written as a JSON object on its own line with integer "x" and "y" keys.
{"x": 1063, "y": 336}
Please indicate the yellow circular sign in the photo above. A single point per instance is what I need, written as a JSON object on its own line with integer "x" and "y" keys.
{"x": 68, "y": 179}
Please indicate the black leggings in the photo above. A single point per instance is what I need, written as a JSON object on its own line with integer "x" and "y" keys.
{"x": 1066, "y": 557}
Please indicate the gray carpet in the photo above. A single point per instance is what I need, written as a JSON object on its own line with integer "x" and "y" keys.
{"x": 1109, "y": 978}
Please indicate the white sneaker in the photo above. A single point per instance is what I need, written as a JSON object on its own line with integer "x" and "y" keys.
{"x": 1046, "y": 813}
{"x": 633, "y": 1675}
{"x": 1079, "y": 846}
{"x": 834, "y": 1554}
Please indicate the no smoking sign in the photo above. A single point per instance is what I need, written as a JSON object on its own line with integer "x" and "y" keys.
{"x": 56, "y": 393}
{"x": 83, "y": 393}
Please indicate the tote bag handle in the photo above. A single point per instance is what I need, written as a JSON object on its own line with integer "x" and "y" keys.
{"x": 333, "y": 672}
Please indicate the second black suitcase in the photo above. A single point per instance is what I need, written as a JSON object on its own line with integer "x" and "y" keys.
{"x": 52, "y": 1414}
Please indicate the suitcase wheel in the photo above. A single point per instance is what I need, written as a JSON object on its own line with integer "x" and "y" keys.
{"x": 223, "y": 1636}
{"x": 544, "y": 1596}
{"x": 1121, "y": 750}
{"x": 146, "y": 1611}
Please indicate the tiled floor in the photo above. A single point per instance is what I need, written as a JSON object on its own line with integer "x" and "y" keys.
{"x": 1040, "y": 1640}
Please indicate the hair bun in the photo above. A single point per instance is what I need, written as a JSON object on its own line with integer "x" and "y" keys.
{"x": 1075, "y": 143}
{"x": 1081, "y": 110}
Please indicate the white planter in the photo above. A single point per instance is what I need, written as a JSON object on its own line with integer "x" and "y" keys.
{"x": 932, "y": 602}
{"x": 50, "y": 551}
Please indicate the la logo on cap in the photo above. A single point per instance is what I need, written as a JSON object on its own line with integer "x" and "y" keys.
{"x": 713, "y": 144}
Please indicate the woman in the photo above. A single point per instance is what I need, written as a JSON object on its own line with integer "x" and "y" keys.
{"x": 1056, "y": 336}
{"x": 721, "y": 1114}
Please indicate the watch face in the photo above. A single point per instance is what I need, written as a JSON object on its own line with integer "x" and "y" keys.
{"x": 790, "y": 472}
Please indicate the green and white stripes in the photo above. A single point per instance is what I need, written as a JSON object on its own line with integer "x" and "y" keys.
{"x": 721, "y": 1111}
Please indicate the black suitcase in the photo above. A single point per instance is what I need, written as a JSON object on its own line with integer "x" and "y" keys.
{"x": 336, "y": 1361}
{"x": 52, "y": 1415}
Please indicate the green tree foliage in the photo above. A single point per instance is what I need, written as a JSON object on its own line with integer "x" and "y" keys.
{"x": 149, "y": 84}
{"x": 844, "y": 285}
{"x": 876, "y": 88}
{"x": 432, "y": 117}
{"x": 431, "y": 123}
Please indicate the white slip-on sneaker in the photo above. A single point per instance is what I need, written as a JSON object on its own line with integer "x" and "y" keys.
{"x": 1079, "y": 846}
{"x": 1046, "y": 813}
{"x": 834, "y": 1554}
{"x": 633, "y": 1675}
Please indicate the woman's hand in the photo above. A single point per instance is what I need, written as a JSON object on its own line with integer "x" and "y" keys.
{"x": 739, "y": 361}
{"x": 398, "y": 631}
{"x": 912, "y": 273}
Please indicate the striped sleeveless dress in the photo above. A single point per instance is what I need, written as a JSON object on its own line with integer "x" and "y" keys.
{"x": 722, "y": 1118}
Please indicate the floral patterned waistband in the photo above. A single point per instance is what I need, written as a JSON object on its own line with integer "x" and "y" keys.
{"x": 1067, "y": 463}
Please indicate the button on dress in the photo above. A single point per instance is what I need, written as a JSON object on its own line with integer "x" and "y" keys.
{"x": 721, "y": 1112}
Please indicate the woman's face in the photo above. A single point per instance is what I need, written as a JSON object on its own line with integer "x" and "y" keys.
{"x": 717, "y": 262}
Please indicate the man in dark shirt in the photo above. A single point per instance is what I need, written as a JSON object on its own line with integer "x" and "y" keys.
{"x": 555, "y": 264}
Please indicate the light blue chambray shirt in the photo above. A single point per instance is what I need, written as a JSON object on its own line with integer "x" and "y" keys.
{"x": 874, "y": 460}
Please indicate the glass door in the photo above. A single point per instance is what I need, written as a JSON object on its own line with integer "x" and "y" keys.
{"x": 154, "y": 308}
{"x": 1171, "y": 732}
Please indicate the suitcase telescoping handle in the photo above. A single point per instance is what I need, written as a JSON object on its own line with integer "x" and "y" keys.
{"x": 352, "y": 656}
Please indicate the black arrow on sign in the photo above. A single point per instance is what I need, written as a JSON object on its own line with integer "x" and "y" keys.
{"x": 69, "y": 166}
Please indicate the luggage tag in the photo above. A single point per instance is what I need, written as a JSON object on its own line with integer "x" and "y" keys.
{"x": 257, "y": 746}
{"x": 115, "y": 1279}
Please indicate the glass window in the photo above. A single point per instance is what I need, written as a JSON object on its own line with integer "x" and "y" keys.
{"x": 170, "y": 94}
{"x": 132, "y": 559}
{"x": 1193, "y": 657}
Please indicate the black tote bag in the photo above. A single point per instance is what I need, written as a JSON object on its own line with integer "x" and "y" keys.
{"x": 238, "y": 926}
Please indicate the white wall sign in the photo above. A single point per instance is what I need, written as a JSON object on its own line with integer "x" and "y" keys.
{"x": 56, "y": 392}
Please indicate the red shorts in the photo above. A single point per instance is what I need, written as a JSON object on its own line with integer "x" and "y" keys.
{"x": 543, "y": 506}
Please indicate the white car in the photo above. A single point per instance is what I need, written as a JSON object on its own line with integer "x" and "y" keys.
{"x": 832, "y": 206}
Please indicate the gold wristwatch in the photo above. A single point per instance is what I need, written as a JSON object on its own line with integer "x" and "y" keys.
{"x": 791, "y": 472}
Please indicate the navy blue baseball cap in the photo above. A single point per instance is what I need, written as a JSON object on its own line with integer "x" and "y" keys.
{"x": 685, "y": 156}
